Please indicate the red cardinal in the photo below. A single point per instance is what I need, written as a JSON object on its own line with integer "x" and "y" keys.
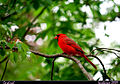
{"x": 69, "y": 47}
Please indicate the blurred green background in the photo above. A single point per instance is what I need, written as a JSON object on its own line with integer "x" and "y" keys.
{"x": 46, "y": 18}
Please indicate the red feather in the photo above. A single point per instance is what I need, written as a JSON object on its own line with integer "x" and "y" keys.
{"x": 70, "y": 47}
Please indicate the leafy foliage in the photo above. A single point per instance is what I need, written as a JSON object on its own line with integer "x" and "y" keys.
{"x": 60, "y": 16}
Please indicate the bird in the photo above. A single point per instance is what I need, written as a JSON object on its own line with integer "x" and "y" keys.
{"x": 70, "y": 47}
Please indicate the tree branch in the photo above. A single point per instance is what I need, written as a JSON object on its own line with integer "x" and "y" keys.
{"x": 82, "y": 68}
{"x": 6, "y": 47}
{"x": 69, "y": 57}
{"x": 52, "y": 68}
{"x": 60, "y": 55}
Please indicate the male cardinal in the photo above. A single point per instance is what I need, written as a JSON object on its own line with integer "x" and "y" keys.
{"x": 70, "y": 47}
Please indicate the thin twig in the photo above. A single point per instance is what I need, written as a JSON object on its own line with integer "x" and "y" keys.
{"x": 106, "y": 76}
{"x": 8, "y": 16}
{"x": 6, "y": 47}
{"x": 4, "y": 70}
{"x": 4, "y": 59}
{"x": 99, "y": 61}
{"x": 14, "y": 3}
{"x": 105, "y": 49}
{"x": 52, "y": 68}
{"x": 34, "y": 21}
{"x": 110, "y": 51}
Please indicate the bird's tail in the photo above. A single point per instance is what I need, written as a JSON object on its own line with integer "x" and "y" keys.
{"x": 90, "y": 62}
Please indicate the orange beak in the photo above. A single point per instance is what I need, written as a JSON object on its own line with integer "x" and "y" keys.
{"x": 55, "y": 37}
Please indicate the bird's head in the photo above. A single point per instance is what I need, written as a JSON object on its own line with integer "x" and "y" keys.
{"x": 59, "y": 36}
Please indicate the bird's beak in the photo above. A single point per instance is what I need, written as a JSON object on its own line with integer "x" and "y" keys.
{"x": 55, "y": 37}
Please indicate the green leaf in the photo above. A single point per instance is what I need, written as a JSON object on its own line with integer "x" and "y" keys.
{"x": 2, "y": 52}
{"x": 15, "y": 56}
{"x": 104, "y": 27}
{"x": 19, "y": 46}
{"x": 42, "y": 34}
{"x": 11, "y": 45}
{"x": 33, "y": 58}
{"x": 107, "y": 35}
{"x": 3, "y": 45}
{"x": 11, "y": 56}
{"x": 23, "y": 55}
{"x": 87, "y": 34}
{"x": 25, "y": 47}
{"x": 19, "y": 32}
{"x": 22, "y": 49}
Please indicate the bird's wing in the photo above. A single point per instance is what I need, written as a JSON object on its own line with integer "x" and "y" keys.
{"x": 73, "y": 44}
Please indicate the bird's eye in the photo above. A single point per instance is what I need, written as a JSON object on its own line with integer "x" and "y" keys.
{"x": 58, "y": 35}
